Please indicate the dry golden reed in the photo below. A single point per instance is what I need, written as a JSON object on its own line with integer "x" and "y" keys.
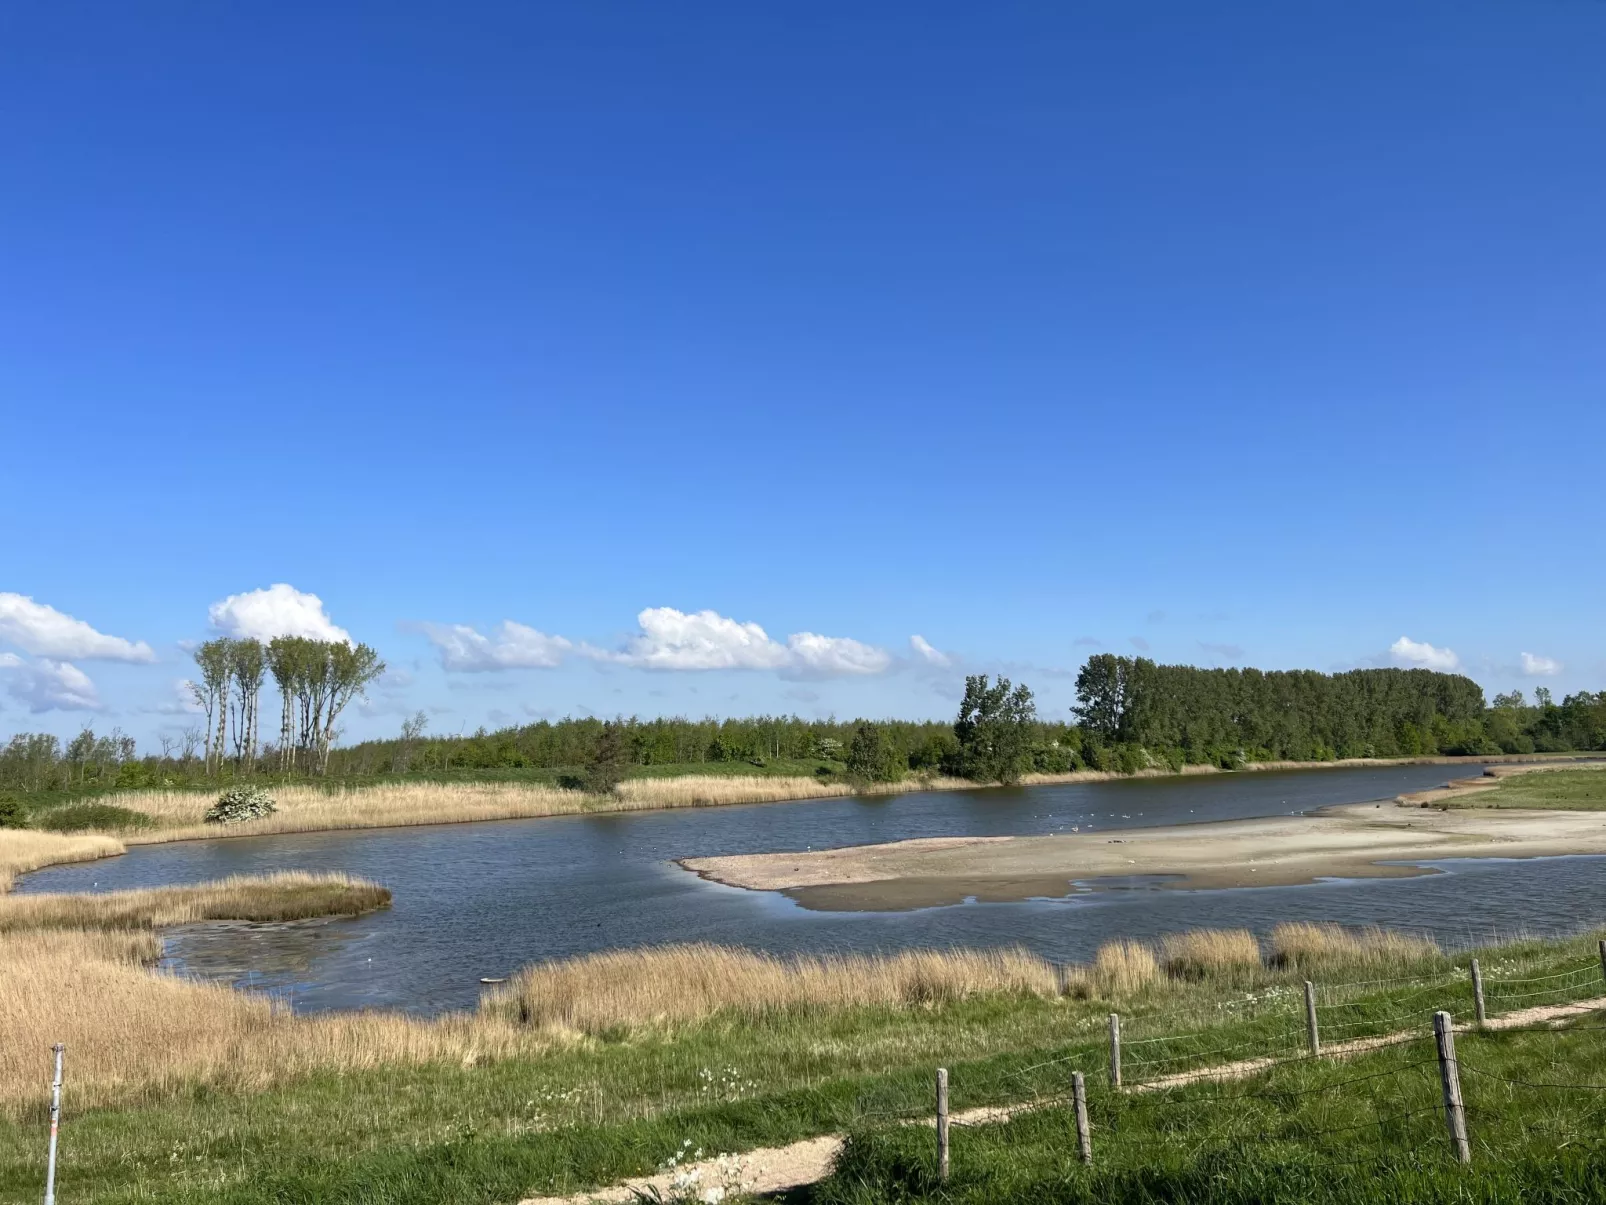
{"x": 1210, "y": 954}
{"x": 685, "y": 983}
{"x": 1303, "y": 944}
{"x": 286, "y": 896}
{"x": 1124, "y": 967}
{"x": 22, "y": 850}
{"x": 178, "y": 814}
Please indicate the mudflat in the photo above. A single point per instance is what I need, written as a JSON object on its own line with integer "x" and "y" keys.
{"x": 1353, "y": 840}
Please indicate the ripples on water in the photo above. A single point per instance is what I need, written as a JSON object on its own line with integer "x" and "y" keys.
{"x": 478, "y": 900}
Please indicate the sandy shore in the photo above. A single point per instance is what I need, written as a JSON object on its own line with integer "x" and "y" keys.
{"x": 1351, "y": 841}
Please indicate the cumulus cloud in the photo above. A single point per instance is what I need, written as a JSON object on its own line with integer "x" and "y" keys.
{"x": 1535, "y": 666}
{"x": 46, "y": 632}
{"x": 49, "y": 685}
{"x": 926, "y": 653}
{"x": 280, "y": 610}
{"x": 1406, "y": 651}
{"x": 511, "y": 646}
{"x": 702, "y": 640}
{"x": 181, "y": 701}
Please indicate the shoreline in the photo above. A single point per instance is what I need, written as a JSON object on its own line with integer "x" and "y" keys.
{"x": 473, "y": 802}
{"x": 1355, "y": 840}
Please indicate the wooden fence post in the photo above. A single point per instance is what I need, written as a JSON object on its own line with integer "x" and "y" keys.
{"x": 1311, "y": 1032}
{"x": 1115, "y": 1050}
{"x": 1455, "y": 1113}
{"x": 1084, "y": 1134}
{"x": 1477, "y": 992}
{"x": 1603, "y": 958}
{"x": 942, "y": 1124}
{"x": 55, "y": 1125}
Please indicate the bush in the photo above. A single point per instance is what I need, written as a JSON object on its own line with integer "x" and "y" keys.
{"x": 240, "y": 803}
{"x": 81, "y": 817}
{"x": 11, "y": 814}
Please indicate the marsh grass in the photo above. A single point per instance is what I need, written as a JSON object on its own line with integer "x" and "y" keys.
{"x": 286, "y": 896}
{"x": 1305, "y": 946}
{"x": 1124, "y": 968}
{"x": 1563, "y": 789}
{"x": 1220, "y": 954}
{"x": 599, "y": 993}
{"x": 22, "y": 850}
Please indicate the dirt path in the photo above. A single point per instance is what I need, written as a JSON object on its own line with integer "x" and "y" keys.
{"x": 779, "y": 1168}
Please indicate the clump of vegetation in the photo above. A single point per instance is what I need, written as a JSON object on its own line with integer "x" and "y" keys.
{"x": 91, "y": 817}
{"x": 874, "y": 758}
{"x": 239, "y": 804}
{"x": 610, "y": 763}
{"x": 995, "y": 728}
{"x": 1210, "y": 954}
{"x": 1124, "y": 967}
{"x": 1302, "y": 944}
{"x": 12, "y": 814}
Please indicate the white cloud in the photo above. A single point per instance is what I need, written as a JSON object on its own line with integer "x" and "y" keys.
{"x": 1534, "y": 666}
{"x": 515, "y": 646}
{"x": 46, "y": 632}
{"x": 674, "y": 640}
{"x": 1406, "y": 651}
{"x": 180, "y": 702}
{"x": 926, "y": 653}
{"x": 47, "y": 685}
{"x": 280, "y": 610}
{"x": 828, "y": 656}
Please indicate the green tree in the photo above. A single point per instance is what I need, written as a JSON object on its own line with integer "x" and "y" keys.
{"x": 610, "y": 760}
{"x": 995, "y": 730}
{"x": 872, "y": 757}
{"x": 1104, "y": 695}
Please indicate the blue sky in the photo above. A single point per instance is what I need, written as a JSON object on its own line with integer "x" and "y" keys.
{"x": 1237, "y": 334}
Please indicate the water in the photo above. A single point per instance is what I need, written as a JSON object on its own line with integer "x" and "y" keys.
{"x": 476, "y": 900}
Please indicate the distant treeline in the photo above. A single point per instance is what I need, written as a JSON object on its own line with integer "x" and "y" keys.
{"x": 1131, "y": 714}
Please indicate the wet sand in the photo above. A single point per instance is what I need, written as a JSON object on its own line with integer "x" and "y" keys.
{"x": 1352, "y": 841}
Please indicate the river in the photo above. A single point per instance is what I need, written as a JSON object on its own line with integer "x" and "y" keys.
{"x": 476, "y": 900}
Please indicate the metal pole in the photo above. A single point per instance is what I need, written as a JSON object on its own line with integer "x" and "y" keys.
{"x": 1311, "y": 1032}
{"x": 55, "y": 1125}
{"x": 1084, "y": 1134}
{"x": 942, "y": 1124}
{"x": 1477, "y": 992}
{"x": 1455, "y": 1113}
{"x": 1115, "y": 1049}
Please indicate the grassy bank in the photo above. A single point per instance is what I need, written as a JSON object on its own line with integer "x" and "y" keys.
{"x": 186, "y": 1092}
{"x": 1562, "y": 789}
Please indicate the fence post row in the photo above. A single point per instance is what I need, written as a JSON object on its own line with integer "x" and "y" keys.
{"x": 1084, "y": 1134}
{"x": 1455, "y": 1113}
{"x": 1311, "y": 1031}
{"x": 55, "y": 1125}
{"x": 1477, "y": 993}
{"x": 942, "y": 1124}
{"x": 1115, "y": 1050}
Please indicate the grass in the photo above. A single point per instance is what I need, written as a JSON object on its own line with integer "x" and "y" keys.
{"x": 1567, "y": 790}
{"x": 90, "y": 817}
{"x": 599, "y": 993}
{"x": 1361, "y": 1131}
{"x": 1221, "y": 954}
{"x": 1301, "y": 945}
{"x": 22, "y": 850}
{"x": 286, "y": 896}
{"x": 511, "y": 1110}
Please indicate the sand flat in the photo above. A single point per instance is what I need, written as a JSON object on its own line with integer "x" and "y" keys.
{"x": 1354, "y": 840}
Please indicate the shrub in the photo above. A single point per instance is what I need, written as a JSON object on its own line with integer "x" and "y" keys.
{"x": 240, "y": 803}
{"x": 11, "y": 814}
{"x": 82, "y": 817}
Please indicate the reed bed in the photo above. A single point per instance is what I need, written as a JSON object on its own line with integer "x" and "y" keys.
{"x": 22, "y": 850}
{"x": 1301, "y": 945}
{"x": 286, "y": 896}
{"x": 178, "y": 814}
{"x": 1226, "y": 954}
{"x": 600, "y": 992}
{"x": 1124, "y": 968}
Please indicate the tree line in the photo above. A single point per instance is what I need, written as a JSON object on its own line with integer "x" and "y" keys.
{"x": 1131, "y": 714}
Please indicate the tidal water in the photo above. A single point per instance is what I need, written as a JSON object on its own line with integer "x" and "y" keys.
{"x": 475, "y": 900}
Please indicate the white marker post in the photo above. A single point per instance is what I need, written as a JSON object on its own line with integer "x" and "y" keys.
{"x": 55, "y": 1125}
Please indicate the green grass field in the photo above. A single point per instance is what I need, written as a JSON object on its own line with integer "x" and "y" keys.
{"x": 1571, "y": 790}
{"x": 619, "y": 1106}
